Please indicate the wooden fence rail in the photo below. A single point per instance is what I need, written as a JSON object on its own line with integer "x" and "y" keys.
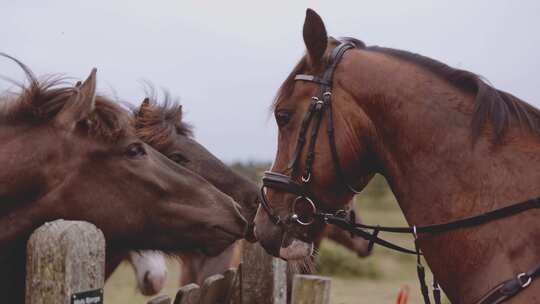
{"x": 310, "y": 289}
{"x": 66, "y": 265}
{"x": 263, "y": 277}
{"x": 217, "y": 289}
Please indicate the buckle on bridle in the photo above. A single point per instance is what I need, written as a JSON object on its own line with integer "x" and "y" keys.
{"x": 306, "y": 180}
{"x": 415, "y": 234}
{"x": 341, "y": 213}
{"x": 317, "y": 100}
{"x": 520, "y": 279}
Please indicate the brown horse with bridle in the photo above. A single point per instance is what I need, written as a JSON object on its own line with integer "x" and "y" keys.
{"x": 68, "y": 153}
{"x": 454, "y": 150}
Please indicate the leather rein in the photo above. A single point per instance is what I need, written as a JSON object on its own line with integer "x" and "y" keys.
{"x": 314, "y": 209}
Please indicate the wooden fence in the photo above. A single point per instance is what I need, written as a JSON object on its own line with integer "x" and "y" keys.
{"x": 66, "y": 265}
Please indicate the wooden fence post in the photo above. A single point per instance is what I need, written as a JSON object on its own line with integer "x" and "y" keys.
{"x": 310, "y": 289}
{"x": 235, "y": 296}
{"x": 65, "y": 264}
{"x": 188, "y": 294}
{"x": 263, "y": 277}
{"x": 162, "y": 299}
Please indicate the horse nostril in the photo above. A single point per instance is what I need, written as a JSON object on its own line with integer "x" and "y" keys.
{"x": 146, "y": 278}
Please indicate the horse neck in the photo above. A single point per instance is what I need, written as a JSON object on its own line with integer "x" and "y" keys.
{"x": 426, "y": 153}
{"x": 23, "y": 186}
{"x": 15, "y": 229}
{"x": 12, "y": 276}
{"x": 23, "y": 204}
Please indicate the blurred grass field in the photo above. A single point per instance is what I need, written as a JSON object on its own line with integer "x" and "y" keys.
{"x": 371, "y": 280}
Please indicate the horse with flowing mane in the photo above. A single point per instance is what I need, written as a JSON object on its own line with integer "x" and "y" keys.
{"x": 449, "y": 144}
{"x": 68, "y": 153}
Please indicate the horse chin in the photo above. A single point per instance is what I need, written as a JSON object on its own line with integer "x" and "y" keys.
{"x": 296, "y": 250}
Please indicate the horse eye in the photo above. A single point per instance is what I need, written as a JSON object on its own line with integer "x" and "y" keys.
{"x": 135, "y": 150}
{"x": 179, "y": 158}
{"x": 282, "y": 117}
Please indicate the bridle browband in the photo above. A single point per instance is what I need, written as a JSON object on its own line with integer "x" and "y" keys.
{"x": 318, "y": 210}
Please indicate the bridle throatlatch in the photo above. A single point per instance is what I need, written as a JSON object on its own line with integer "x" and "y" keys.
{"x": 307, "y": 208}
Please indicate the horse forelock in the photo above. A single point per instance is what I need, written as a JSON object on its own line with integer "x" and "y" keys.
{"x": 158, "y": 122}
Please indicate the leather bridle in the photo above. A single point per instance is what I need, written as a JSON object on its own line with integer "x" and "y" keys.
{"x": 319, "y": 210}
{"x": 319, "y": 105}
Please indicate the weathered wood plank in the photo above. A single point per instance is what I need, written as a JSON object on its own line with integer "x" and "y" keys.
{"x": 162, "y": 299}
{"x": 229, "y": 282}
{"x": 310, "y": 289}
{"x": 264, "y": 278}
{"x": 214, "y": 290}
{"x": 235, "y": 294}
{"x": 63, "y": 258}
{"x": 188, "y": 294}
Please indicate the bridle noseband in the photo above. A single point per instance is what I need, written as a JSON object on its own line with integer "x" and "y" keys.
{"x": 319, "y": 105}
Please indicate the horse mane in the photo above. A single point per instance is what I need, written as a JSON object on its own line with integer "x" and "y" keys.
{"x": 39, "y": 101}
{"x": 494, "y": 106}
{"x": 159, "y": 122}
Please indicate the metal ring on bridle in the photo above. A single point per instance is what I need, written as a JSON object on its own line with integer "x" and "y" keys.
{"x": 297, "y": 218}
{"x": 527, "y": 282}
{"x": 306, "y": 179}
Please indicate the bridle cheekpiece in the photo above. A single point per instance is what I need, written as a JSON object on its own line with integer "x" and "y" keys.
{"x": 305, "y": 200}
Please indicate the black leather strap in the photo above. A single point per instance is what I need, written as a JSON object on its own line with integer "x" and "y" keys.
{"x": 371, "y": 243}
{"x": 436, "y": 291}
{"x": 360, "y": 229}
{"x": 510, "y": 288}
{"x": 344, "y": 224}
{"x": 325, "y": 94}
{"x": 310, "y": 78}
{"x": 421, "y": 272}
{"x": 274, "y": 218}
{"x": 462, "y": 223}
{"x": 333, "y": 149}
{"x": 302, "y": 135}
{"x": 319, "y": 108}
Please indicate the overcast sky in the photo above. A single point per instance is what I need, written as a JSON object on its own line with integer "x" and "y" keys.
{"x": 226, "y": 59}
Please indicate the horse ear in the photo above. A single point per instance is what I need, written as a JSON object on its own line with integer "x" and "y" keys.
{"x": 145, "y": 105}
{"x": 80, "y": 105}
{"x": 315, "y": 37}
